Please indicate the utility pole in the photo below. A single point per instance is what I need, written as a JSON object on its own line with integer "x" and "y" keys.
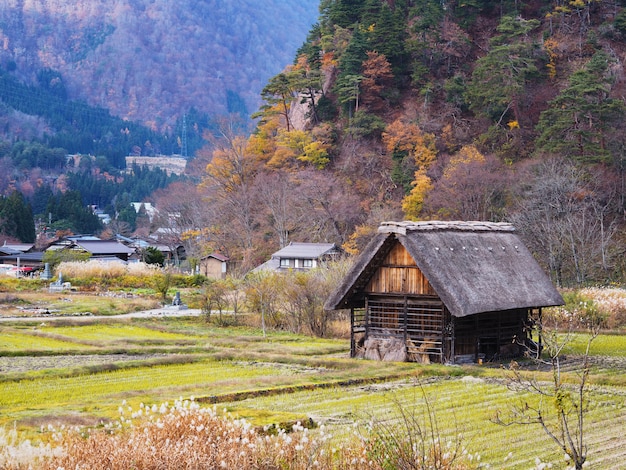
{"x": 183, "y": 149}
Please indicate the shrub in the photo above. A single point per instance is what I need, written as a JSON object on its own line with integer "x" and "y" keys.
{"x": 12, "y": 284}
{"x": 579, "y": 312}
{"x": 16, "y": 453}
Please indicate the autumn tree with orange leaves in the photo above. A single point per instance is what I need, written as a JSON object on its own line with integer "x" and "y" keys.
{"x": 413, "y": 152}
{"x": 377, "y": 77}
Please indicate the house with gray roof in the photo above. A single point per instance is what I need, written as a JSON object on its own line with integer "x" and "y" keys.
{"x": 111, "y": 250}
{"x": 446, "y": 292}
{"x": 301, "y": 256}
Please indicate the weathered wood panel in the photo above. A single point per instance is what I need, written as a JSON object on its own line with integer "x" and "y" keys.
{"x": 399, "y": 256}
{"x": 419, "y": 322}
{"x": 399, "y": 274}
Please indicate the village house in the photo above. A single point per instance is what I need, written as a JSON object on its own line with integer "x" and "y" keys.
{"x": 104, "y": 250}
{"x": 447, "y": 292}
{"x": 301, "y": 256}
{"x": 214, "y": 266}
{"x": 20, "y": 258}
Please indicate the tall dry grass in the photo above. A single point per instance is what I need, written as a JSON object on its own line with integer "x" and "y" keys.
{"x": 186, "y": 436}
{"x": 604, "y": 304}
{"x": 102, "y": 269}
{"x": 16, "y": 453}
{"x": 611, "y": 302}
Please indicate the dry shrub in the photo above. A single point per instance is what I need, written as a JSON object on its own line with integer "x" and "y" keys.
{"x": 187, "y": 436}
{"x": 603, "y": 306}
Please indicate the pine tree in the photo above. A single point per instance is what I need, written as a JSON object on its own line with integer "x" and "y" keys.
{"x": 578, "y": 119}
{"x": 16, "y": 218}
{"x": 343, "y": 13}
{"x": 501, "y": 77}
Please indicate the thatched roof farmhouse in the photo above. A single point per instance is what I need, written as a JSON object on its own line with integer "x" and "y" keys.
{"x": 443, "y": 291}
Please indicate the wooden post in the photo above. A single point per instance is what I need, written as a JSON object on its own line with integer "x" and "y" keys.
{"x": 406, "y": 322}
{"x": 352, "y": 343}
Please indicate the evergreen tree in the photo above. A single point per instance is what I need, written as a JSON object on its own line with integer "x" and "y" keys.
{"x": 350, "y": 66}
{"x": 70, "y": 213}
{"x": 343, "y": 13}
{"x": 39, "y": 199}
{"x": 387, "y": 34}
{"x": 577, "y": 121}
{"x": 16, "y": 218}
{"x": 500, "y": 78}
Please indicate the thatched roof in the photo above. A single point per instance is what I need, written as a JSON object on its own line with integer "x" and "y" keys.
{"x": 474, "y": 267}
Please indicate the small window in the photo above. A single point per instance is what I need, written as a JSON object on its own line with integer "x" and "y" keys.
{"x": 307, "y": 263}
{"x": 284, "y": 262}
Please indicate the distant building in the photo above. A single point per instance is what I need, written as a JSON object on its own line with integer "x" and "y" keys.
{"x": 301, "y": 256}
{"x": 111, "y": 250}
{"x": 20, "y": 258}
{"x": 171, "y": 165}
{"x": 214, "y": 266}
{"x": 172, "y": 254}
{"x": 149, "y": 209}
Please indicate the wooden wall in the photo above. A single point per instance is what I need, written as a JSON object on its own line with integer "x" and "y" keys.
{"x": 399, "y": 274}
{"x": 490, "y": 333}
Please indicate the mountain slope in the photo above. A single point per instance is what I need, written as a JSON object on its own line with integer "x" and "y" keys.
{"x": 153, "y": 60}
{"x": 473, "y": 110}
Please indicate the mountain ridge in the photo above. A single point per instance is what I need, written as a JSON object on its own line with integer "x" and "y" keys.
{"x": 151, "y": 61}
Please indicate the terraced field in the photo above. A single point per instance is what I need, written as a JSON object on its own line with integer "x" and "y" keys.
{"x": 88, "y": 373}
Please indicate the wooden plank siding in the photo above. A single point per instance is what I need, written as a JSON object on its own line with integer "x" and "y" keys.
{"x": 399, "y": 274}
{"x": 402, "y": 303}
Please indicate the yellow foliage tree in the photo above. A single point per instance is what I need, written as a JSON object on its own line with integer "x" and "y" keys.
{"x": 401, "y": 137}
{"x": 231, "y": 166}
{"x": 298, "y": 146}
{"x": 413, "y": 203}
{"x": 411, "y": 148}
{"x": 467, "y": 154}
{"x": 262, "y": 144}
{"x": 358, "y": 238}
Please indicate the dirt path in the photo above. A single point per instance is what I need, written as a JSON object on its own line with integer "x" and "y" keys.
{"x": 157, "y": 312}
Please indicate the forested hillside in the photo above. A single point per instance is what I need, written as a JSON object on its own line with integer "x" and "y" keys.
{"x": 152, "y": 61}
{"x": 131, "y": 77}
{"x": 426, "y": 109}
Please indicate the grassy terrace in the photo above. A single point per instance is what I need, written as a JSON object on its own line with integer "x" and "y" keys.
{"x": 61, "y": 372}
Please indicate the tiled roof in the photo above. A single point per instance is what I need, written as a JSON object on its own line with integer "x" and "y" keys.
{"x": 103, "y": 247}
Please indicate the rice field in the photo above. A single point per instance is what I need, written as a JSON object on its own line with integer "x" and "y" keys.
{"x": 103, "y": 391}
{"x": 13, "y": 341}
{"x": 464, "y": 407}
{"x": 603, "y": 345}
{"x": 115, "y": 332}
{"x": 284, "y": 378}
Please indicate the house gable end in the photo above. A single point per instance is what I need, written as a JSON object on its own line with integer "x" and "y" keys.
{"x": 399, "y": 274}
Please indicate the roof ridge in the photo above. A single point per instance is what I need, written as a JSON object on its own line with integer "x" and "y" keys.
{"x": 402, "y": 227}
